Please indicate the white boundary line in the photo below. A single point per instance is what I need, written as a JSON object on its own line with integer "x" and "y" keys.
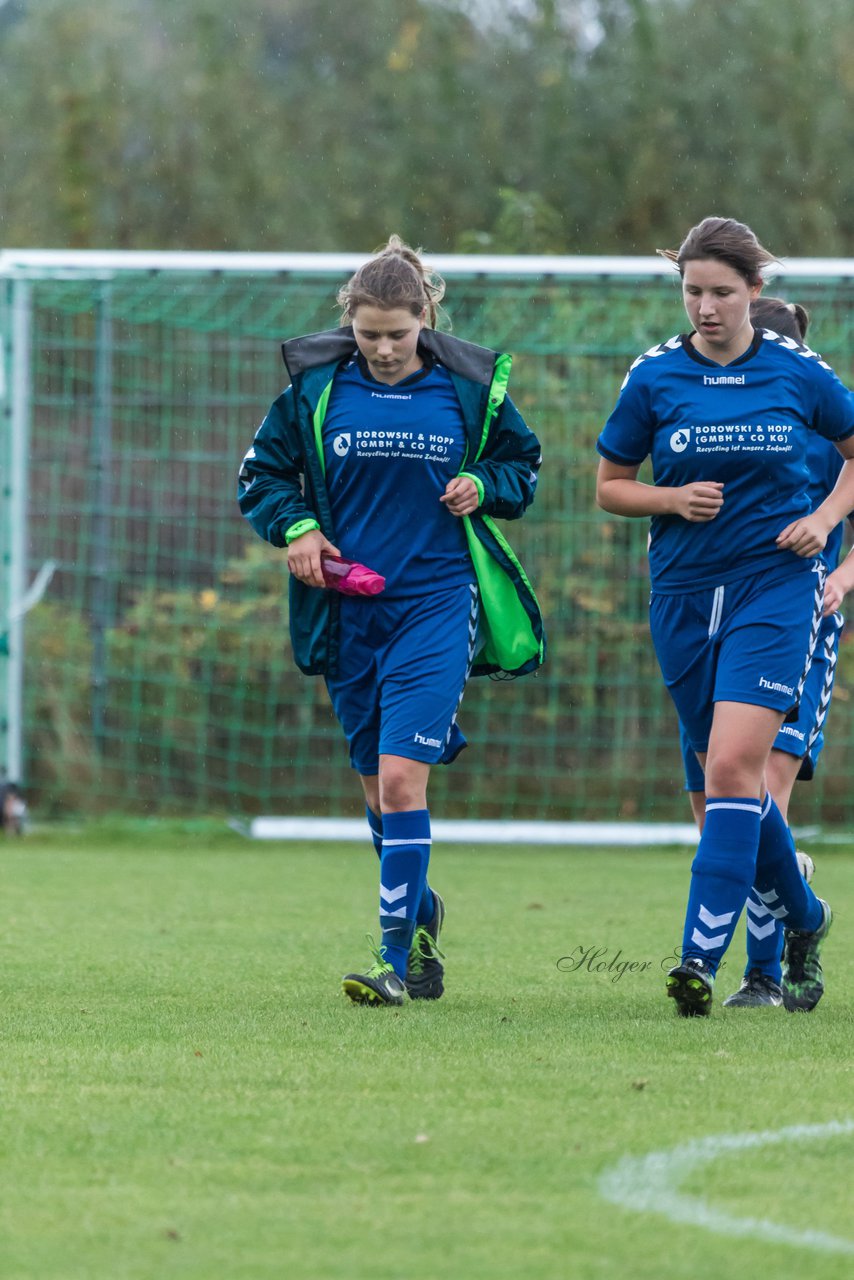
{"x": 649, "y": 1184}
{"x": 620, "y": 834}
{"x": 497, "y": 831}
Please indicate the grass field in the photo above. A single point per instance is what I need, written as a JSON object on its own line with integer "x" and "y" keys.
{"x": 185, "y": 1091}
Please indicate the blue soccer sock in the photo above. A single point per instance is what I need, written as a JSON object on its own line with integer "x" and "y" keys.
{"x": 375, "y": 823}
{"x": 427, "y": 905}
{"x": 403, "y": 881}
{"x": 721, "y": 875}
{"x": 779, "y": 883}
{"x": 764, "y": 939}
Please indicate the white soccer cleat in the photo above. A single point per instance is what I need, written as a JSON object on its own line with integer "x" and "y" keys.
{"x": 806, "y": 864}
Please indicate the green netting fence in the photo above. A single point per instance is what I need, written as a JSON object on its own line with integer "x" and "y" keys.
{"x": 157, "y": 675}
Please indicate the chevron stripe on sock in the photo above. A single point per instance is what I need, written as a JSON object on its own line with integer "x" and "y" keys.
{"x": 778, "y": 881}
{"x": 403, "y": 881}
{"x": 721, "y": 876}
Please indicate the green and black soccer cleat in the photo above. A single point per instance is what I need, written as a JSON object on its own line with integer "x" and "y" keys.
{"x": 380, "y": 985}
{"x": 803, "y": 981}
{"x": 425, "y": 971}
{"x": 691, "y": 984}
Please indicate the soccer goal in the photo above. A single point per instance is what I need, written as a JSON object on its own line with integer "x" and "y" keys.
{"x": 144, "y": 659}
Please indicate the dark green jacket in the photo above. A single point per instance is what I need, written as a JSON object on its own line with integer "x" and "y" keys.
{"x": 282, "y": 492}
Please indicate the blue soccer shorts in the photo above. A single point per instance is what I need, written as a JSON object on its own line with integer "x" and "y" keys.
{"x": 748, "y": 641}
{"x": 804, "y": 736}
{"x": 402, "y": 671}
{"x": 695, "y": 778}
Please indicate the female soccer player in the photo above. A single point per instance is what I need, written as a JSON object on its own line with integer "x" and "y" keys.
{"x": 799, "y": 743}
{"x": 394, "y": 446}
{"x": 724, "y": 413}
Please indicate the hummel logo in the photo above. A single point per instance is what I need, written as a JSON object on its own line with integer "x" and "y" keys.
{"x": 776, "y": 686}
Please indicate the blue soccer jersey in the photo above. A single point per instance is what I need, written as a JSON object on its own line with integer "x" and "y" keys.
{"x": 746, "y": 424}
{"x": 389, "y": 452}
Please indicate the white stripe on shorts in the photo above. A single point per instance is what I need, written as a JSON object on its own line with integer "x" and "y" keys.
{"x": 830, "y": 658}
{"x": 717, "y": 610}
{"x": 820, "y": 570}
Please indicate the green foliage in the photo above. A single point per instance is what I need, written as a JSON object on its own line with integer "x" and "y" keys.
{"x": 525, "y": 224}
{"x": 58, "y": 688}
{"x": 183, "y": 670}
{"x": 544, "y": 127}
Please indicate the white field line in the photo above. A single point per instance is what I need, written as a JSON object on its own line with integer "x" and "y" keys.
{"x": 505, "y": 831}
{"x": 649, "y": 1184}
{"x": 483, "y": 831}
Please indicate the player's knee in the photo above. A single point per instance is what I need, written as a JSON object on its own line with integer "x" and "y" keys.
{"x": 732, "y": 775}
{"x": 401, "y": 785}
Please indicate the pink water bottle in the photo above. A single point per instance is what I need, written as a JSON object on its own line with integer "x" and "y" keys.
{"x": 349, "y": 577}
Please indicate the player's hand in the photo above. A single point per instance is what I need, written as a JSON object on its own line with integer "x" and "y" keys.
{"x": 805, "y": 537}
{"x": 834, "y": 593}
{"x": 304, "y": 557}
{"x": 700, "y": 501}
{"x": 461, "y": 496}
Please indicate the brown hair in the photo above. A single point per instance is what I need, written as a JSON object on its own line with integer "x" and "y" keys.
{"x": 789, "y": 319}
{"x": 727, "y": 240}
{"x": 395, "y": 277}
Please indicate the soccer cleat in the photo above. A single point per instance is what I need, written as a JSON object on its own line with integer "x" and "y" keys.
{"x": 806, "y": 864}
{"x": 756, "y": 989}
{"x": 803, "y": 981}
{"x": 425, "y": 971}
{"x": 380, "y": 985}
{"x": 691, "y": 984}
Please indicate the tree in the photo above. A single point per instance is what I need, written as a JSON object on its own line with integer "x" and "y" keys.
{"x": 603, "y": 126}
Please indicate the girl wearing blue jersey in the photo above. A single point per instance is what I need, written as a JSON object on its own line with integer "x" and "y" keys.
{"x": 724, "y": 413}
{"x": 799, "y": 743}
{"x": 395, "y": 445}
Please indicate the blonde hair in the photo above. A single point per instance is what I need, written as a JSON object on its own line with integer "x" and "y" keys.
{"x": 395, "y": 277}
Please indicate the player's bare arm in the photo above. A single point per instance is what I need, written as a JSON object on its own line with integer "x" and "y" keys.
{"x": 807, "y": 537}
{"x": 619, "y": 491}
{"x": 840, "y": 582}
